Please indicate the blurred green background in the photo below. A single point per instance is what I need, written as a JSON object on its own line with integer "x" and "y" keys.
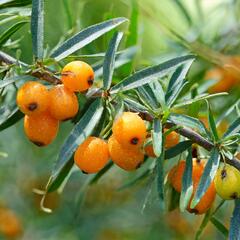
{"x": 105, "y": 212}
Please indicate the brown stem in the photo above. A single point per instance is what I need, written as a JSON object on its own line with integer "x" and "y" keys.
{"x": 45, "y": 74}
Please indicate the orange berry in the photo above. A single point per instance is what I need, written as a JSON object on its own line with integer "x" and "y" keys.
{"x": 176, "y": 173}
{"x": 205, "y": 202}
{"x": 226, "y": 79}
{"x": 63, "y": 103}
{"x": 171, "y": 140}
{"x": 77, "y": 76}
{"x": 92, "y": 155}
{"x": 41, "y": 129}
{"x": 32, "y": 98}
{"x": 125, "y": 158}
{"x": 10, "y": 225}
{"x": 175, "y": 177}
{"x": 149, "y": 151}
{"x": 130, "y": 130}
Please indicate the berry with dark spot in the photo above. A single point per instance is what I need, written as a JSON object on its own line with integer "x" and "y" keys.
{"x": 130, "y": 130}
{"x": 227, "y": 182}
{"x": 41, "y": 129}
{"x": 77, "y": 76}
{"x": 33, "y": 98}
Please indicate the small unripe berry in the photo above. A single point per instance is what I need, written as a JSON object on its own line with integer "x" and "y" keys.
{"x": 77, "y": 76}
{"x": 41, "y": 129}
{"x": 130, "y": 130}
{"x": 92, "y": 155}
{"x": 125, "y": 158}
{"x": 63, "y": 103}
{"x": 227, "y": 182}
{"x": 32, "y": 98}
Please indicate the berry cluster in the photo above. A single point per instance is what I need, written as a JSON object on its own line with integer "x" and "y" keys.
{"x": 44, "y": 108}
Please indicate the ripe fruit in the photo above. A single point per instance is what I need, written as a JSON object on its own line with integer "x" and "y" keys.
{"x": 175, "y": 178}
{"x": 227, "y": 182}
{"x": 226, "y": 79}
{"x": 41, "y": 129}
{"x": 176, "y": 173}
{"x": 125, "y": 158}
{"x": 205, "y": 202}
{"x": 10, "y": 226}
{"x": 32, "y": 98}
{"x": 130, "y": 130}
{"x": 77, "y": 76}
{"x": 171, "y": 140}
{"x": 149, "y": 151}
{"x": 63, "y": 103}
{"x": 92, "y": 155}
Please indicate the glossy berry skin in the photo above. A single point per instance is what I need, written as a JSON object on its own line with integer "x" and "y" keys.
{"x": 227, "y": 182}
{"x": 149, "y": 151}
{"x": 92, "y": 155}
{"x": 32, "y": 98}
{"x": 171, "y": 139}
{"x": 125, "y": 158}
{"x": 63, "y": 104}
{"x": 130, "y": 130}
{"x": 41, "y": 129}
{"x": 77, "y": 76}
{"x": 175, "y": 178}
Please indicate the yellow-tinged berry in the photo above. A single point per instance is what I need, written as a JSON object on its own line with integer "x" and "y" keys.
{"x": 63, "y": 103}
{"x": 125, "y": 158}
{"x": 77, "y": 76}
{"x": 92, "y": 155}
{"x": 41, "y": 129}
{"x": 227, "y": 182}
{"x": 32, "y": 98}
{"x": 130, "y": 130}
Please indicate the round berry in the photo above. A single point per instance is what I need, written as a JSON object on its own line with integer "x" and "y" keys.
{"x": 92, "y": 155}
{"x": 41, "y": 129}
{"x": 32, "y": 98}
{"x": 130, "y": 130}
{"x": 77, "y": 76}
{"x": 63, "y": 104}
{"x": 125, "y": 158}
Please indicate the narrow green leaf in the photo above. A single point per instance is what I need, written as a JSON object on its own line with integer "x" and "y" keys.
{"x": 14, "y": 3}
{"x": 57, "y": 180}
{"x": 157, "y": 137}
{"x": 207, "y": 176}
{"x": 203, "y": 225}
{"x": 160, "y": 176}
{"x": 219, "y": 225}
{"x": 199, "y": 98}
{"x": 85, "y": 37}
{"x": 79, "y": 133}
{"x": 150, "y": 74}
{"x": 10, "y": 31}
{"x": 109, "y": 60}
{"x": 172, "y": 198}
{"x": 193, "y": 123}
{"x": 37, "y": 27}
{"x": 134, "y": 104}
{"x": 10, "y": 119}
{"x": 101, "y": 173}
{"x": 147, "y": 96}
{"x": 184, "y": 11}
{"x": 10, "y": 80}
{"x": 234, "y": 231}
{"x": 233, "y": 128}
{"x": 177, "y": 149}
{"x": 121, "y": 59}
{"x": 187, "y": 184}
{"x": 158, "y": 93}
{"x": 212, "y": 124}
{"x": 176, "y": 82}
